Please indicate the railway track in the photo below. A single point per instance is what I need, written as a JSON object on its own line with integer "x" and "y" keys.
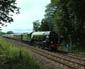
{"x": 67, "y": 62}
{"x": 76, "y": 57}
{"x": 70, "y": 63}
{"x": 81, "y": 57}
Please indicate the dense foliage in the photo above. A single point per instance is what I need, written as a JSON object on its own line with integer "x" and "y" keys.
{"x": 12, "y": 57}
{"x": 44, "y": 25}
{"x": 67, "y": 17}
{"x": 7, "y": 8}
{"x": 70, "y": 17}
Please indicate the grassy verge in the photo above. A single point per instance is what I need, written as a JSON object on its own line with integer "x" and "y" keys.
{"x": 16, "y": 58}
{"x": 72, "y": 50}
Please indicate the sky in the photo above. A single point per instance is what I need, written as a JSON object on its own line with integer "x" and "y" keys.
{"x": 31, "y": 10}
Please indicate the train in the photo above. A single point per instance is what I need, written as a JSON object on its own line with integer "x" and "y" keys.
{"x": 44, "y": 39}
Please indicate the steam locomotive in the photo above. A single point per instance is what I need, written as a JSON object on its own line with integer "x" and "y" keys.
{"x": 46, "y": 39}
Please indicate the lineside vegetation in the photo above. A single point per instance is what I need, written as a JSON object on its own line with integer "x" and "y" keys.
{"x": 16, "y": 58}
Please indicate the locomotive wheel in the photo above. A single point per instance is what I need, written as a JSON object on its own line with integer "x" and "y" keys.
{"x": 43, "y": 45}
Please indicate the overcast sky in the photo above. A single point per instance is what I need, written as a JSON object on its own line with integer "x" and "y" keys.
{"x": 30, "y": 11}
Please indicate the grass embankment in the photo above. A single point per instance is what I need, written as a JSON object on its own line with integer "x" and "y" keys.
{"x": 16, "y": 58}
{"x": 71, "y": 49}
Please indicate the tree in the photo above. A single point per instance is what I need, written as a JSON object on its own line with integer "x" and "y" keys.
{"x": 10, "y": 32}
{"x": 70, "y": 20}
{"x": 7, "y": 7}
{"x": 44, "y": 25}
{"x": 36, "y": 25}
{"x": 49, "y": 15}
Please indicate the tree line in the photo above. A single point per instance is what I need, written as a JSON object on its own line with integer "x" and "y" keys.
{"x": 67, "y": 18}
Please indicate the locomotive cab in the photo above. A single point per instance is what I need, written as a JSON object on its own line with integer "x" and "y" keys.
{"x": 53, "y": 37}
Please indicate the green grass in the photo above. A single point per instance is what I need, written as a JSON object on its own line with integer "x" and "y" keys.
{"x": 76, "y": 50}
{"x": 17, "y": 58}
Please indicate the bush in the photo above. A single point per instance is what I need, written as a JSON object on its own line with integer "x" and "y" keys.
{"x": 17, "y": 58}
